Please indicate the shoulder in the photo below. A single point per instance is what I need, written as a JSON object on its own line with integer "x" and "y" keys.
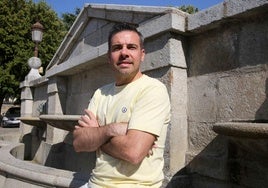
{"x": 105, "y": 88}
{"x": 152, "y": 88}
{"x": 150, "y": 82}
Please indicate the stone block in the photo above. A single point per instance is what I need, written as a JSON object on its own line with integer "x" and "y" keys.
{"x": 91, "y": 27}
{"x": 157, "y": 53}
{"x": 234, "y": 7}
{"x": 197, "y": 22}
{"x": 202, "y": 94}
{"x": 93, "y": 40}
{"x": 102, "y": 51}
{"x": 95, "y": 13}
{"x": 177, "y": 52}
{"x": 78, "y": 48}
{"x": 214, "y": 51}
{"x": 211, "y": 161}
{"x": 75, "y": 104}
{"x": 2, "y": 179}
{"x": 52, "y": 85}
{"x": 200, "y": 135}
{"x": 26, "y": 93}
{"x": 13, "y": 182}
{"x": 164, "y": 51}
{"x": 242, "y": 95}
{"x": 178, "y": 130}
{"x": 55, "y": 135}
{"x": 54, "y": 105}
{"x": 177, "y": 143}
{"x": 166, "y": 22}
{"x": 26, "y": 108}
{"x": 253, "y": 41}
{"x": 178, "y": 91}
{"x": 119, "y": 16}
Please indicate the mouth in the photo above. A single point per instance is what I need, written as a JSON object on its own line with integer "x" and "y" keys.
{"x": 124, "y": 63}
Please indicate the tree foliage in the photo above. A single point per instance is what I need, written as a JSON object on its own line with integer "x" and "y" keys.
{"x": 69, "y": 18}
{"x": 189, "y": 9}
{"x": 16, "y": 45}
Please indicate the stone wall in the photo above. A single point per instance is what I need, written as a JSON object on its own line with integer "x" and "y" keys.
{"x": 227, "y": 81}
{"x": 214, "y": 64}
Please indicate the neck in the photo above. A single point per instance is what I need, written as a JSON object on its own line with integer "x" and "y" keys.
{"x": 127, "y": 79}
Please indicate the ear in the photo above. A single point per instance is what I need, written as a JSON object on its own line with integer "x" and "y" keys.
{"x": 108, "y": 57}
{"x": 143, "y": 54}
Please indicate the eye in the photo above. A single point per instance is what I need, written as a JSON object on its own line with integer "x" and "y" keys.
{"x": 132, "y": 46}
{"x": 116, "y": 48}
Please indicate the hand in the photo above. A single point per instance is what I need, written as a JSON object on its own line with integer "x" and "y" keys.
{"x": 87, "y": 120}
{"x": 151, "y": 150}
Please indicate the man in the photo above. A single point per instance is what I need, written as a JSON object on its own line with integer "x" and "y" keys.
{"x": 126, "y": 121}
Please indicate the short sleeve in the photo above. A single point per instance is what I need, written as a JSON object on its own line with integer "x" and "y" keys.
{"x": 152, "y": 110}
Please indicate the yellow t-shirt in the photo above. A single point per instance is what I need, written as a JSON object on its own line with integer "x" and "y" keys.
{"x": 145, "y": 105}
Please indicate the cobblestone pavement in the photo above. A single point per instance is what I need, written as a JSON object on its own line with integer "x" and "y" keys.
{"x": 8, "y": 130}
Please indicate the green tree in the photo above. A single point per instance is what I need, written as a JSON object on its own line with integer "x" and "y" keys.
{"x": 69, "y": 18}
{"x": 16, "y": 45}
{"x": 189, "y": 9}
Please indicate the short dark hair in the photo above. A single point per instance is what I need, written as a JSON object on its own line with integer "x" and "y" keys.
{"x": 124, "y": 27}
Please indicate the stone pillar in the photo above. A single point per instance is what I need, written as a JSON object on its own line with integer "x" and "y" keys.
{"x": 26, "y": 131}
{"x": 179, "y": 98}
{"x": 57, "y": 90}
{"x": 27, "y": 93}
{"x": 179, "y": 124}
{"x": 26, "y": 105}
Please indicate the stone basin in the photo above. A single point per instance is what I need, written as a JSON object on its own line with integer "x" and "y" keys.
{"x": 34, "y": 121}
{"x": 65, "y": 122}
{"x": 242, "y": 129}
{"x": 15, "y": 172}
{"x": 249, "y": 136}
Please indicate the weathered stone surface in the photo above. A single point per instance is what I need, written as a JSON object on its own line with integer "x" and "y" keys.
{"x": 205, "y": 17}
{"x": 213, "y": 64}
{"x": 214, "y": 51}
{"x": 202, "y": 91}
{"x": 235, "y": 7}
{"x": 242, "y": 94}
{"x": 253, "y": 42}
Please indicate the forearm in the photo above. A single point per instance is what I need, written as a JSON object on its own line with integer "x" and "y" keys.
{"x": 91, "y": 138}
{"x": 132, "y": 147}
{"x": 115, "y": 148}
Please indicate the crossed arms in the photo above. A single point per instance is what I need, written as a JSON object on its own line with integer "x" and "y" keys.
{"x": 114, "y": 139}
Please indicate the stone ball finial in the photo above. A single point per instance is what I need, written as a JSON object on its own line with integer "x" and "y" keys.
{"x": 34, "y": 62}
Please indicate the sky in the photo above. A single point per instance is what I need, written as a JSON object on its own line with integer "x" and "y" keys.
{"x": 69, "y": 6}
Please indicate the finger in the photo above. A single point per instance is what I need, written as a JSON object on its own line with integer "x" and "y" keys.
{"x": 90, "y": 114}
{"x": 82, "y": 123}
{"x": 85, "y": 118}
{"x": 150, "y": 153}
{"x": 87, "y": 113}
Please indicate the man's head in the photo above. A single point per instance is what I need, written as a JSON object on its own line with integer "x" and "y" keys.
{"x": 125, "y": 53}
{"x": 123, "y": 27}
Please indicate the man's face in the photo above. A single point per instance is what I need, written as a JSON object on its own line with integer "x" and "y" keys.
{"x": 126, "y": 54}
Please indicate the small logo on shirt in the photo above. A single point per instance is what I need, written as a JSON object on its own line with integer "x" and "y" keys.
{"x": 124, "y": 109}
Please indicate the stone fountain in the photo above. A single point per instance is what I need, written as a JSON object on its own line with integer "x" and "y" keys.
{"x": 248, "y": 135}
{"x": 214, "y": 64}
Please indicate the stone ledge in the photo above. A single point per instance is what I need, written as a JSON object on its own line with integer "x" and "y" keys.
{"x": 34, "y": 174}
{"x": 242, "y": 129}
{"x": 222, "y": 12}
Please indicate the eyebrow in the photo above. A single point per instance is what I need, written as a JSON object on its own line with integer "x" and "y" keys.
{"x": 130, "y": 44}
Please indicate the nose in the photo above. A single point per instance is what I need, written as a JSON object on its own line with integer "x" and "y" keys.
{"x": 124, "y": 51}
